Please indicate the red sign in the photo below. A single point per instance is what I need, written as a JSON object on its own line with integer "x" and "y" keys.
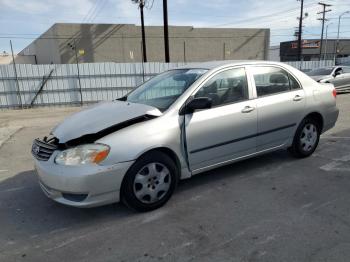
{"x": 307, "y": 44}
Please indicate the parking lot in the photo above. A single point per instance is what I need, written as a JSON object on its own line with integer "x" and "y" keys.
{"x": 270, "y": 208}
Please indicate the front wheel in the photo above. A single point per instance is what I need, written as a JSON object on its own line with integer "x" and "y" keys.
{"x": 306, "y": 138}
{"x": 150, "y": 182}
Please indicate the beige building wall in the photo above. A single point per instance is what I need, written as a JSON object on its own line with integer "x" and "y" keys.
{"x": 19, "y": 59}
{"x": 122, "y": 43}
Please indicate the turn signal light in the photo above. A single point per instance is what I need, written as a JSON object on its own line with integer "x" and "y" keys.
{"x": 334, "y": 93}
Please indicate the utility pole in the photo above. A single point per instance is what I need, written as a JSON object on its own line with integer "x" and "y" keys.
{"x": 16, "y": 75}
{"x": 337, "y": 43}
{"x": 74, "y": 48}
{"x": 323, "y": 19}
{"x": 325, "y": 46}
{"x": 166, "y": 33}
{"x": 141, "y": 4}
{"x": 300, "y": 29}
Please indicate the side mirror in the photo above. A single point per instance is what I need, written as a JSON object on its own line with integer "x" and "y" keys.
{"x": 194, "y": 104}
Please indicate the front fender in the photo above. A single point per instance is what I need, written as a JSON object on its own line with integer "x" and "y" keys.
{"x": 131, "y": 142}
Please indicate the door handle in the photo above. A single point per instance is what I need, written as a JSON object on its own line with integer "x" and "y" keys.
{"x": 247, "y": 109}
{"x": 297, "y": 98}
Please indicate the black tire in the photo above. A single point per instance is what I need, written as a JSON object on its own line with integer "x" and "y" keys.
{"x": 298, "y": 148}
{"x": 128, "y": 188}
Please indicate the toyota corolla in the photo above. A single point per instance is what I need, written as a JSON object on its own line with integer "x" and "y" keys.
{"x": 178, "y": 124}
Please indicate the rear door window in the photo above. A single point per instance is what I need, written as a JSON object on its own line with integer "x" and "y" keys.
{"x": 273, "y": 80}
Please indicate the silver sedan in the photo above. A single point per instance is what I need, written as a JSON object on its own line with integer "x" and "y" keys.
{"x": 178, "y": 124}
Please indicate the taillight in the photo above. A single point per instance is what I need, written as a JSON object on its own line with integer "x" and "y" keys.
{"x": 334, "y": 93}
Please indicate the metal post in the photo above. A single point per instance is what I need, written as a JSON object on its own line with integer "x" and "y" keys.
{"x": 337, "y": 43}
{"x": 166, "y": 33}
{"x": 300, "y": 30}
{"x": 321, "y": 43}
{"x": 323, "y": 19}
{"x": 325, "y": 45}
{"x": 143, "y": 69}
{"x": 184, "y": 51}
{"x": 16, "y": 76}
{"x": 142, "y": 4}
{"x": 224, "y": 51}
{"x": 77, "y": 62}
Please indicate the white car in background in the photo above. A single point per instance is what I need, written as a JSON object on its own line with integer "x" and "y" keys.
{"x": 339, "y": 76}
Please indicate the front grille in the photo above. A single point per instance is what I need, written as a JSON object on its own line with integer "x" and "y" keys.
{"x": 42, "y": 150}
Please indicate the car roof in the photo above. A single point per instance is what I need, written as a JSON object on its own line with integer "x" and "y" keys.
{"x": 214, "y": 64}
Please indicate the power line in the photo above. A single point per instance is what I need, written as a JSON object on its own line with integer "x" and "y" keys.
{"x": 98, "y": 11}
{"x": 271, "y": 15}
{"x": 92, "y": 9}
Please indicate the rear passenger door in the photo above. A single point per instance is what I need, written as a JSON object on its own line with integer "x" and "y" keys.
{"x": 280, "y": 105}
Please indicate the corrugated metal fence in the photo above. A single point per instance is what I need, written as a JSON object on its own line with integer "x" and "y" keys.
{"x": 343, "y": 61}
{"x": 62, "y": 85}
{"x": 28, "y": 85}
{"x": 308, "y": 65}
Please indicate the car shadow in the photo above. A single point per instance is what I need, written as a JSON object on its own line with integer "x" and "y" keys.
{"x": 245, "y": 169}
{"x": 25, "y": 208}
{"x": 24, "y": 205}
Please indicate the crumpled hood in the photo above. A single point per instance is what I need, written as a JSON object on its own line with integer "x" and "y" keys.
{"x": 100, "y": 117}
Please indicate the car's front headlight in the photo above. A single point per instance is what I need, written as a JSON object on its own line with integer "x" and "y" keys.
{"x": 82, "y": 155}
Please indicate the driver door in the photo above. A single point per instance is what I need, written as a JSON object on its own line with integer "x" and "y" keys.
{"x": 342, "y": 79}
{"x": 227, "y": 130}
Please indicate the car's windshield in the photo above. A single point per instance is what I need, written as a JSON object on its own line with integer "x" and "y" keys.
{"x": 162, "y": 90}
{"x": 320, "y": 71}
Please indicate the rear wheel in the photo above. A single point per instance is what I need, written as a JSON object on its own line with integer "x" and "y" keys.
{"x": 306, "y": 138}
{"x": 150, "y": 182}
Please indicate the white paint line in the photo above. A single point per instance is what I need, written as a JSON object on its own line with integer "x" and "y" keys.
{"x": 195, "y": 198}
{"x": 73, "y": 239}
{"x": 58, "y": 230}
{"x": 65, "y": 243}
{"x": 330, "y": 166}
{"x": 8, "y": 132}
{"x": 13, "y": 189}
{"x": 267, "y": 240}
{"x": 323, "y": 205}
{"x": 3, "y": 170}
{"x": 335, "y": 137}
{"x": 343, "y": 158}
{"x": 307, "y": 205}
{"x": 336, "y": 165}
{"x": 155, "y": 216}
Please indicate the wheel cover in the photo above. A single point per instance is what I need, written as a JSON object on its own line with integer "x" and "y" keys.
{"x": 152, "y": 182}
{"x": 308, "y": 137}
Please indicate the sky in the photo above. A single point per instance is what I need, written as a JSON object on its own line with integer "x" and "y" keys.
{"x": 24, "y": 20}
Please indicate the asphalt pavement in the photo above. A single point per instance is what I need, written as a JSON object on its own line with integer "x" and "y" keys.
{"x": 270, "y": 208}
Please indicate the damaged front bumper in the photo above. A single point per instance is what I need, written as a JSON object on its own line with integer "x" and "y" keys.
{"x": 81, "y": 186}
